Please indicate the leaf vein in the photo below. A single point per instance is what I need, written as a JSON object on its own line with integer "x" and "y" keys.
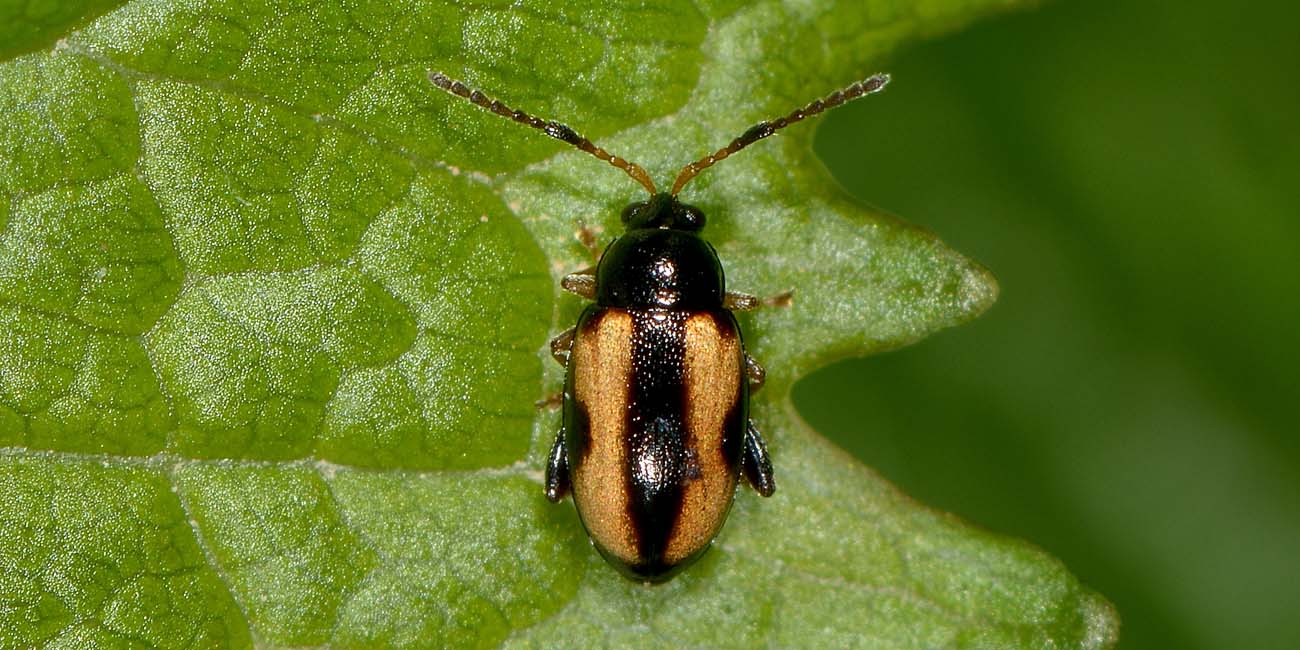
{"x": 202, "y": 542}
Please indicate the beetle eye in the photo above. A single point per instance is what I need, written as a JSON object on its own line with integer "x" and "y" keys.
{"x": 690, "y": 217}
{"x": 630, "y": 211}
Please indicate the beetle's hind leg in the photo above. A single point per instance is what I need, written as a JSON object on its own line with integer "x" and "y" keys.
{"x": 736, "y": 301}
{"x": 756, "y": 464}
{"x": 754, "y": 461}
{"x": 557, "y": 470}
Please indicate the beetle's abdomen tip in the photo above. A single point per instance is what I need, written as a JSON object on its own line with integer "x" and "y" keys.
{"x": 645, "y": 570}
{"x": 655, "y": 570}
{"x": 651, "y": 574}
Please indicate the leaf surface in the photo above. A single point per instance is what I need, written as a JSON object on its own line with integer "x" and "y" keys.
{"x": 272, "y": 313}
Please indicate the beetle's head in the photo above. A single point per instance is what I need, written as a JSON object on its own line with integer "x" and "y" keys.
{"x": 664, "y": 211}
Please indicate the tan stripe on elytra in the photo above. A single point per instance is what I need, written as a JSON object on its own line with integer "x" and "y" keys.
{"x": 712, "y": 386}
{"x": 602, "y": 363}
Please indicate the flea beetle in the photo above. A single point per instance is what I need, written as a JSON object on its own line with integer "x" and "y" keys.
{"x": 656, "y": 427}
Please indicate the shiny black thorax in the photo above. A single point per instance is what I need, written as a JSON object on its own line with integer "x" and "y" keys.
{"x": 661, "y": 262}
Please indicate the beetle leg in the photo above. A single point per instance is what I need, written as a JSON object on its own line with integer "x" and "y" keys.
{"x": 552, "y": 401}
{"x": 581, "y": 282}
{"x": 587, "y": 237}
{"x": 557, "y": 470}
{"x": 561, "y": 345}
{"x": 755, "y": 373}
{"x": 557, "y": 464}
{"x": 756, "y": 464}
{"x": 736, "y": 301}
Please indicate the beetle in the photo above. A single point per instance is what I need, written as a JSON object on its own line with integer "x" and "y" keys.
{"x": 655, "y": 429}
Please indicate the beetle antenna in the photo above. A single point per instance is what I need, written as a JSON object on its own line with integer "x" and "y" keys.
{"x": 868, "y": 86}
{"x": 549, "y": 127}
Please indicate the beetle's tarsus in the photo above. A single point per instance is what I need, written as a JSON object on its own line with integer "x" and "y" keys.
{"x": 557, "y": 470}
{"x": 756, "y": 464}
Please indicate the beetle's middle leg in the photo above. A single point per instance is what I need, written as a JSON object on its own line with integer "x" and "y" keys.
{"x": 557, "y": 470}
{"x": 736, "y": 301}
{"x": 754, "y": 373}
{"x": 560, "y": 347}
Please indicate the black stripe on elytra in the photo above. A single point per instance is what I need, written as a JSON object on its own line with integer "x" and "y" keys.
{"x": 656, "y": 430}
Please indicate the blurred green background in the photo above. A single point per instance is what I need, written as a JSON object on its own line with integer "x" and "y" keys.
{"x": 1131, "y": 173}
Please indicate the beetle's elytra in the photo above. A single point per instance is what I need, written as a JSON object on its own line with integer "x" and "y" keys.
{"x": 656, "y": 427}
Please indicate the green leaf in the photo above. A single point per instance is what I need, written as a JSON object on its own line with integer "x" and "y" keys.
{"x": 29, "y": 24}
{"x": 273, "y": 312}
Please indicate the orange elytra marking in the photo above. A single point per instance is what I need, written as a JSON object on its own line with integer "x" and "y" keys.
{"x": 602, "y": 363}
{"x": 713, "y": 376}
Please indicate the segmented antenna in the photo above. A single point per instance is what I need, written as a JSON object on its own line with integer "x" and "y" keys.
{"x": 549, "y": 127}
{"x": 761, "y": 130}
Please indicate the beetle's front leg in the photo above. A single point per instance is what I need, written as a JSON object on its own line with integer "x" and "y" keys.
{"x": 756, "y": 464}
{"x": 557, "y": 470}
{"x": 736, "y": 301}
{"x": 581, "y": 282}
